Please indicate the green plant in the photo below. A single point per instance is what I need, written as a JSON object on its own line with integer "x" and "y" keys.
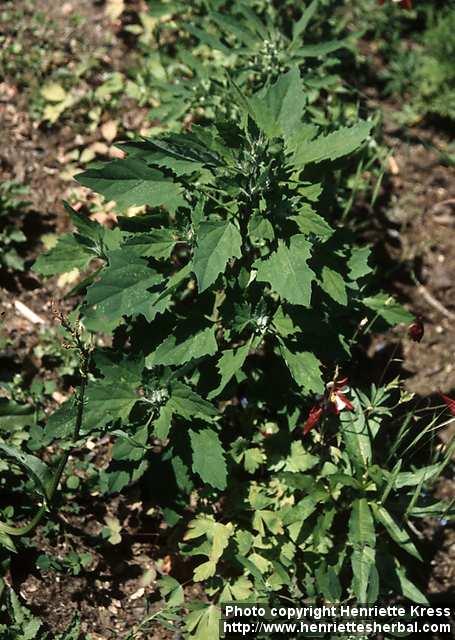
{"x": 434, "y": 73}
{"x": 418, "y": 61}
{"x": 23, "y": 625}
{"x": 233, "y": 303}
{"x": 231, "y": 307}
{"x": 73, "y": 562}
{"x": 251, "y": 44}
{"x": 12, "y": 237}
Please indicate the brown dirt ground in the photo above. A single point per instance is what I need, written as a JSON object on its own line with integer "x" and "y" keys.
{"x": 422, "y": 210}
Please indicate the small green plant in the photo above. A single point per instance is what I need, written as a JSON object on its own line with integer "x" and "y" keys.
{"x": 12, "y": 238}
{"x": 73, "y": 562}
{"x": 419, "y": 65}
{"x": 435, "y": 73}
{"x": 23, "y": 625}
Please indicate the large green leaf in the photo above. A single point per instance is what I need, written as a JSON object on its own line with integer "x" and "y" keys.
{"x": 175, "y": 351}
{"x": 157, "y": 244}
{"x": 362, "y": 536}
{"x": 387, "y": 308}
{"x": 365, "y": 580}
{"x": 308, "y": 221}
{"x": 305, "y": 369}
{"x": 131, "y": 183}
{"x": 207, "y": 38}
{"x": 107, "y": 402}
{"x": 332, "y": 146}
{"x": 66, "y": 255}
{"x": 229, "y": 364}
{"x": 204, "y": 623}
{"x": 171, "y": 591}
{"x": 201, "y": 145}
{"x": 408, "y": 588}
{"x": 161, "y": 299}
{"x": 75, "y": 251}
{"x": 361, "y": 525}
{"x": 217, "y": 242}
{"x": 356, "y": 435}
{"x": 178, "y": 152}
{"x": 91, "y": 232}
{"x": 232, "y": 25}
{"x": 188, "y": 404}
{"x": 120, "y": 291}
{"x": 396, "y": 532}
{"x": 328, "y": 583}
{"x": 39, "y": 472}
{"x": 413, "y": 478}
{"x": 163, "y": 423}
{"x": 208, "y": 458}
{"x": 333, "y": 284}
{"x": 299, "y": 27}
{"x": 279, "y": 110}
{"x": 358, "y": 262}
{"x": 320, "y": 49}
{"x": 61, "y": 423}
{"x": 287, "y": 271}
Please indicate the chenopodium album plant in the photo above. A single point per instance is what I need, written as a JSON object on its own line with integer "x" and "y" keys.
{"x": 233, "y": 304}
{"x": 254, "y": 44}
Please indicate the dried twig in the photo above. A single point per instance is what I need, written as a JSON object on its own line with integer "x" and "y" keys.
{"x": 27, "y": 313}
{"x": 440, "y": 205}
{"x": 435, "y": 303}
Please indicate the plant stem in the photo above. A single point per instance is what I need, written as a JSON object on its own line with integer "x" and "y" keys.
{"x": 84, "y": 369}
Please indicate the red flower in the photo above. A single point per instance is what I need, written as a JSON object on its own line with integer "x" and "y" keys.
{"x": 449, "y": 402}
{"x": 406, "y": 4}
{"x": 333, "y": 401}
{"x": 416, "y": 330}
{"x": 313, "y": 418}
{"x": 337, "y": 400}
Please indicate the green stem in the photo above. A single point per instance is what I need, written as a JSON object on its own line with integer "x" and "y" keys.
{"x": 34, "y": 522}
{"x": 27, "y": 528}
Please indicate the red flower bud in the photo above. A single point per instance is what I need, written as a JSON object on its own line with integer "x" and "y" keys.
{"x": 449, "y": 402}
{"x": 313, "y": 418}
{"x": 416, "y": 330}
{"x": 406, "y": 4}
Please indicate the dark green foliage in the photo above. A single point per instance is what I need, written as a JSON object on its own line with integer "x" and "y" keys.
{"x": 234, "y": 309}
{"x": 231, "y": 305}
{"x": 253, "y": 43}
